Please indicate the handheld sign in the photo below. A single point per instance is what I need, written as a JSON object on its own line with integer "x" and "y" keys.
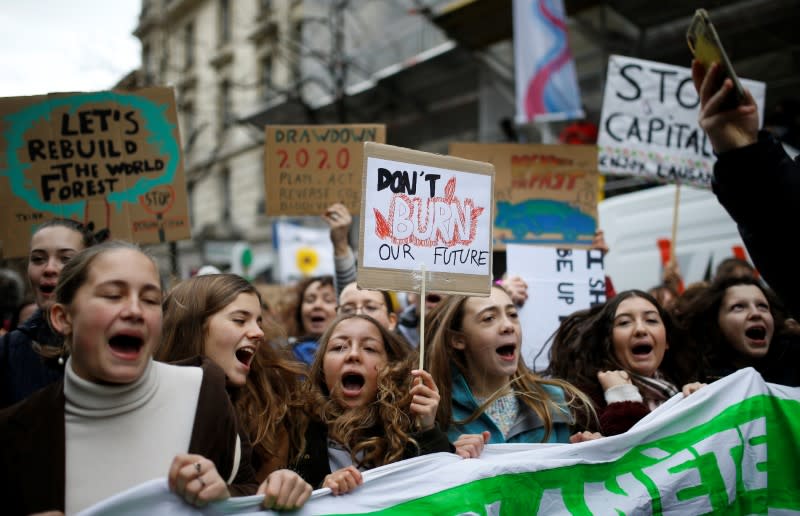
{"x": 421, "y": 209}
{"x": 309, "y": 167}
{"x": 563, "y": 281}
{"x": 109, "y": 158}
{"x": 544, "y": 194}
{"x": 648, "y": 126}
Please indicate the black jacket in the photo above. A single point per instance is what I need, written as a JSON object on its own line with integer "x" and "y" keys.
{"x": 759, "y": 186}
{"x": 22, "y": 370}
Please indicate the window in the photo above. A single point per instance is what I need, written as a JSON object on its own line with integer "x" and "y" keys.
{"x": 188, "y": 127}
{"x": 188, "y": 46}
{"x": 265, "y": 6}
{"x": 225, "y": 22}
{"x": 225, "y": 108}
{"x": 225, "y": 188}
{"x": 147, "y": 72}
{"x": 297, "y": 37}
{"x": 266, "y": 75}
{"x": 163, "y": 65}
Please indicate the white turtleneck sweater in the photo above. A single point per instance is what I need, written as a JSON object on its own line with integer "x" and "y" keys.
{"x": 120, "y": 436}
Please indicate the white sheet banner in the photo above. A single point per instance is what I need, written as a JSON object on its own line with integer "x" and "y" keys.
{"x": 730, "y": 448}
{"x": 547, "y": 87}
{"x": 648, "y": 126}
{"x": 560, "y": 281}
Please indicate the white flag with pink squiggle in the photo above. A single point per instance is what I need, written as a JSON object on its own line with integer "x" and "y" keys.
{"x": 547, "y": 87}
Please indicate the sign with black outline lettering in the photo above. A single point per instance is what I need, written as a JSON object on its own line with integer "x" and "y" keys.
{"x": 649, "y": 127}
{"x": 109, "y": 159}
{"x": 422, "y": 211}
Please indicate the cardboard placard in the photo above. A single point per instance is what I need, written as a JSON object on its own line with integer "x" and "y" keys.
{"x": 562, "y": 281}
{"x": 309, "y": 167}
{"x": 648, "y": 126}
{"x": 111, "y": 159}
{"x": 425, "y": 210}
{"x": 544, "y": 194}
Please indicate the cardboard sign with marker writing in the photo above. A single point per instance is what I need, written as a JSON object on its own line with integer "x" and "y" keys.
{"x": 425, "y": 210}
{"x": 544, "y": 194}
{"x": 108, "y": 159}
{"x": 309, "y": 167}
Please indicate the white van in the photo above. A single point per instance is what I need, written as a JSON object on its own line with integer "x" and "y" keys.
{"x": 633, "y": 223}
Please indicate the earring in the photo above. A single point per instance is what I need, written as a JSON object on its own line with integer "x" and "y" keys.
{"x": 61, "y": 359}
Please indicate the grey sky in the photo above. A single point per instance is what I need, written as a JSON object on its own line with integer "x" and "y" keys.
{"x": 66, "y": 45}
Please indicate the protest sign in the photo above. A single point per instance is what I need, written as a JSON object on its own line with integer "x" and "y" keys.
{"x": 729, "y": 448}
{"x": 302, "y": 252}
{"x": 425, "y": 211}
{"x": 544, "y": 194}
{"x": 562, "y": 281}
{"x": 309, "y": 167}
{"x": 110, "y": 159}
{"x": 649, "y": 127}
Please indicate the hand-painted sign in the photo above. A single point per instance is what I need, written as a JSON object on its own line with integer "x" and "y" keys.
{"x": 309, "y": 167}
{"x": 110, "y": 158}
{"x": 648, "y": 126}
{"x": 562, "y": 281}
{"x": 425, "y": 210}
{"x": 544, "y": 194}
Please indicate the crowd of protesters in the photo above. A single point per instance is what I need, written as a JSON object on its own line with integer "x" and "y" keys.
{"x": 226, "y": 393}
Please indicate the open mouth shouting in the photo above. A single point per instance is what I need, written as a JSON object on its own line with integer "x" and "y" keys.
{"x": 317, "y": 321}
{"x": 642, "y": 350}
{"x": 47, "y": 290}
{"x": 245, "y": 355}
{"x": 352, "y": 384}
{"x": 126, "y": 346}
{"x": 507, "y": 352}
{"x": 757, "y": 335}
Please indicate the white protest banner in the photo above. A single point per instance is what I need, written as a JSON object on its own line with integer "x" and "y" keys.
{"x": 425, "y": 211}
{"x": 648, "y": 126}
{"x": 303, "y": 252}
{"x": 560, "y": 282}
{"x": 730, "y": 448}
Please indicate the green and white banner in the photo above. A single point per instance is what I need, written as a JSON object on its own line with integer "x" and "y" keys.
{"x": 730, "y": 448}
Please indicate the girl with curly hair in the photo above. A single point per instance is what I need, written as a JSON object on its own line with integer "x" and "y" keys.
{"x": 737, "y": 322}
{"x": 627, "y": 355}
{"x": 474, "y": 357}
{"x": 218, "y": 316}
{"x": 371, "y": 407}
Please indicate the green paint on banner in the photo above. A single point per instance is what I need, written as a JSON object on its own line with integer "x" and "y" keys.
{"x": 774, "y": 423}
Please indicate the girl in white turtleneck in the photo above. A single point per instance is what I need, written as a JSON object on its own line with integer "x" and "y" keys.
{"x": 119, "y": 418}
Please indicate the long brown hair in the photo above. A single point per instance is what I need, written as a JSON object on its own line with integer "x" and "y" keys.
{"x": 268, "y": 405}
{"x": 380, "y": 432}
{"x": 583, "y": 345}
{"x": 446, "y": 323}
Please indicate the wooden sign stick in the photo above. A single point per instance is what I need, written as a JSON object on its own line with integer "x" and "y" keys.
{"x": 675, "y": 223}
{"x": 422, "y": 321}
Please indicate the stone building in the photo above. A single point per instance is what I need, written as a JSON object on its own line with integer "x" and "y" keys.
{"x": 433, "y": 71}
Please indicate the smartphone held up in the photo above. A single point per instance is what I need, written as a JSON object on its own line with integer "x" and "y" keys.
{"x": 707, "y": 48}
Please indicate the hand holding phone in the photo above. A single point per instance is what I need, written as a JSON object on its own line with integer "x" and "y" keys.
{"x": 707, "y": 49}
